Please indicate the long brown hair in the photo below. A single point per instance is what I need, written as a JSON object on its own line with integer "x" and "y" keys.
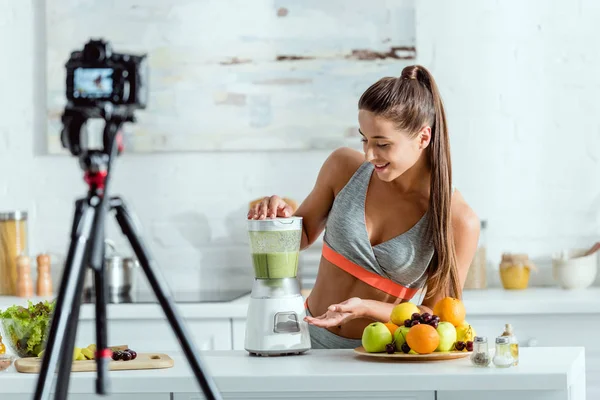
{"x": 413, "y": 101}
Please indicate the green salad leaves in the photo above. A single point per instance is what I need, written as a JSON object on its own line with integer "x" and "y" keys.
{"x": 26, "y": 327}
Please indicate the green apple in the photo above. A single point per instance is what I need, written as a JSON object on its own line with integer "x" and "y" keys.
{"x": 400, "y": 336}
{"x": 375, "y": 336}
{"x": 447, "y": 333}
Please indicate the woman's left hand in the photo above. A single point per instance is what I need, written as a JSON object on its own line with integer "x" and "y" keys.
{"x": 338, "y": 314}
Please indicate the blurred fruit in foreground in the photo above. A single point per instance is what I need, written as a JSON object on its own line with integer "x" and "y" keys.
{"x": 391, "y": 326}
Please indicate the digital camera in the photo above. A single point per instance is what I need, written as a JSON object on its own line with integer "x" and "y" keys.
{"x": 96, "y": 76}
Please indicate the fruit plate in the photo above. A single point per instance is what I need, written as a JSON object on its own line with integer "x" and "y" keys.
{"x": 436, "y": 356}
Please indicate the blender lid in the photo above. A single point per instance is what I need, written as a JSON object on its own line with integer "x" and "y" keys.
{"x": 275, "y": 224}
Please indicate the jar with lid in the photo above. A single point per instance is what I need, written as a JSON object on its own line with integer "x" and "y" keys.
{"x": 476, "y": 277}
{"x": 514, "y": 270}
{"x": 481, "y": 354}
{"x": 503, "y": 357}
{"x": 13, "y": 242}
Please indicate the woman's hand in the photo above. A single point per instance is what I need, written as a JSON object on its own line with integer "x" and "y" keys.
{"x": 270, "y": 207}
{"x": 338, "y": 314}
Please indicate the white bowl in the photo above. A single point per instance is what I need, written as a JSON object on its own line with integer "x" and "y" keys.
{"x": 573, "y": 271}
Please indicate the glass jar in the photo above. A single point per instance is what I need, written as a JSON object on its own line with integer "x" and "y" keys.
{"x": 477, "y": 274}
{"x": 514, "y": 270}
{"x": 13, "y": 242}
{"x": 514, "y": 343}
{"x": 503, "y": 357}
{"x": 481, "y": 354}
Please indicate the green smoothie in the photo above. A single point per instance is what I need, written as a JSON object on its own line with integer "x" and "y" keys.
{"x": 275, "y": 265}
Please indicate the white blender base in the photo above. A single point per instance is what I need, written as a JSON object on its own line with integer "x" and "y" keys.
{"x": 262, "y": 337}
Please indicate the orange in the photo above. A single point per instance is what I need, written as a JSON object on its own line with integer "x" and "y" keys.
{"x": 451, "y": 310}
{"x": 391, "y": 326}
{"x": 423, "y": 338}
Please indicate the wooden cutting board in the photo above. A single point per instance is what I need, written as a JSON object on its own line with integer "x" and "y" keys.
{"x": 142, "y": 361}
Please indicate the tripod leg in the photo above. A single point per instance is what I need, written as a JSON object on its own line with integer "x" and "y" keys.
{"x": 95, "y": 260}
{"x": 126, "y": 221}
{"x": 66, "y": 355}
{"x": 102, "y": 353}
{"x": 59, "y": 328}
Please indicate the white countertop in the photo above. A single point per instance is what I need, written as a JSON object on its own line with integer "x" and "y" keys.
{"x": 332, "y": 371}
{"x": 485, "y": 302}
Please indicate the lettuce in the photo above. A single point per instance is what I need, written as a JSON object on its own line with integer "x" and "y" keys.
{"x": 27, "y": 327}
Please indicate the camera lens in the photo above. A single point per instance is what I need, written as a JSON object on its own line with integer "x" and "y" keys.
{"x": 95, "y": 51}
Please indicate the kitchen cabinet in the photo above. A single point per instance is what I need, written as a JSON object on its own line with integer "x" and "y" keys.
{"x": 429, "y": 395}
{"x": 238, "y": 331}
{"x": 156, "y": 335}
{"x": 85, "y": 396}
{"x": 545, "y": 373}
{"x": 503, "y": 395}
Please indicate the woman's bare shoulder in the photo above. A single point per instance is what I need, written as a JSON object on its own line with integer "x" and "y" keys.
{"x": 463, "y": 216}
{"x": 341, "y": 164}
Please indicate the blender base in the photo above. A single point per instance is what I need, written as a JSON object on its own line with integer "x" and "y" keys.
{"x": 275, "y": 325}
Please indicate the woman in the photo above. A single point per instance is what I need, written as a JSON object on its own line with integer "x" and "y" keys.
{"x": 393, "y": 222}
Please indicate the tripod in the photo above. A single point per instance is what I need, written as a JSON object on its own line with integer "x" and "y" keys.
{"x": 86, "y": 250}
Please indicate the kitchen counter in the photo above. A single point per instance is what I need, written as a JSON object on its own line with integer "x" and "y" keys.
{"x": 488, "y": 302}
{"x": 548, "y": 373}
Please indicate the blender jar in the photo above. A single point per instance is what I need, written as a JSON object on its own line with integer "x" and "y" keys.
{"x": 275, "y": 247}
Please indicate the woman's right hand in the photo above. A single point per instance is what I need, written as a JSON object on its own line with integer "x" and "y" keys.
{"x": 270, "y": 207}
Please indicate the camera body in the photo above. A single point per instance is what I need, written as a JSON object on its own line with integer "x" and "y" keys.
{"x": 105, "y": 85}
{"x": 96, "y": 76}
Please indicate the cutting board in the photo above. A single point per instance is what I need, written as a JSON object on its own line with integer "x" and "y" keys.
{"x": 142, "y": 361}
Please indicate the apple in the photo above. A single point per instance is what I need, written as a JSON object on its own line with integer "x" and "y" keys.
{"x": 400, "y": 336}
{"x": 447, "y": 333}
{"x": 375, "y": 336}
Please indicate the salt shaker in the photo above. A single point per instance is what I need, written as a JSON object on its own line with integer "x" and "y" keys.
{"x": 481, "y": 355}
{"x": 503, "y": 357}
{"x": 24, "y": 281}
{"x": 44, "y": 280}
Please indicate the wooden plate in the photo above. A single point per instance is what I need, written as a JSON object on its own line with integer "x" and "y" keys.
{"x": 399, "y": 356}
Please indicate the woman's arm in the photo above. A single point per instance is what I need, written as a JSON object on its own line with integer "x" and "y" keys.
{"x": 333, "y": 175}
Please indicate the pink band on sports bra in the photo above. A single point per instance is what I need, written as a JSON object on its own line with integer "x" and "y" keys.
{"x": 370, "y": 278}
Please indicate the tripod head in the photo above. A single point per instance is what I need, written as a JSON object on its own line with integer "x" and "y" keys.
{"x": 95, "y": 162}
{"x": 105, "y": 85}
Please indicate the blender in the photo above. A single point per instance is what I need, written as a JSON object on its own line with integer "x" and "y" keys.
{"x": 275, "y": 323}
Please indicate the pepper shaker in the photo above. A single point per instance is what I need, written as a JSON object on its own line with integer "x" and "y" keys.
{"x": 44, "y": 280}
{"x": 481, "y": 355}
{"x": 24, "y": 281}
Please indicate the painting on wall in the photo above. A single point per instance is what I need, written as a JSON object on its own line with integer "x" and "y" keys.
{"x": 237, "y": 75}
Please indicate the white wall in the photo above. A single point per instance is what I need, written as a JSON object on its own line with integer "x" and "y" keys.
{"x": 521, "y": 105}
{"x": 520, "y": 83}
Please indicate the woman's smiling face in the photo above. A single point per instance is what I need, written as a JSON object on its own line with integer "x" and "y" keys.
{"x": 389, "y": 149}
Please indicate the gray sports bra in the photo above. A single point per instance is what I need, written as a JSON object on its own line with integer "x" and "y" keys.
{"x": 403, "y": 259}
